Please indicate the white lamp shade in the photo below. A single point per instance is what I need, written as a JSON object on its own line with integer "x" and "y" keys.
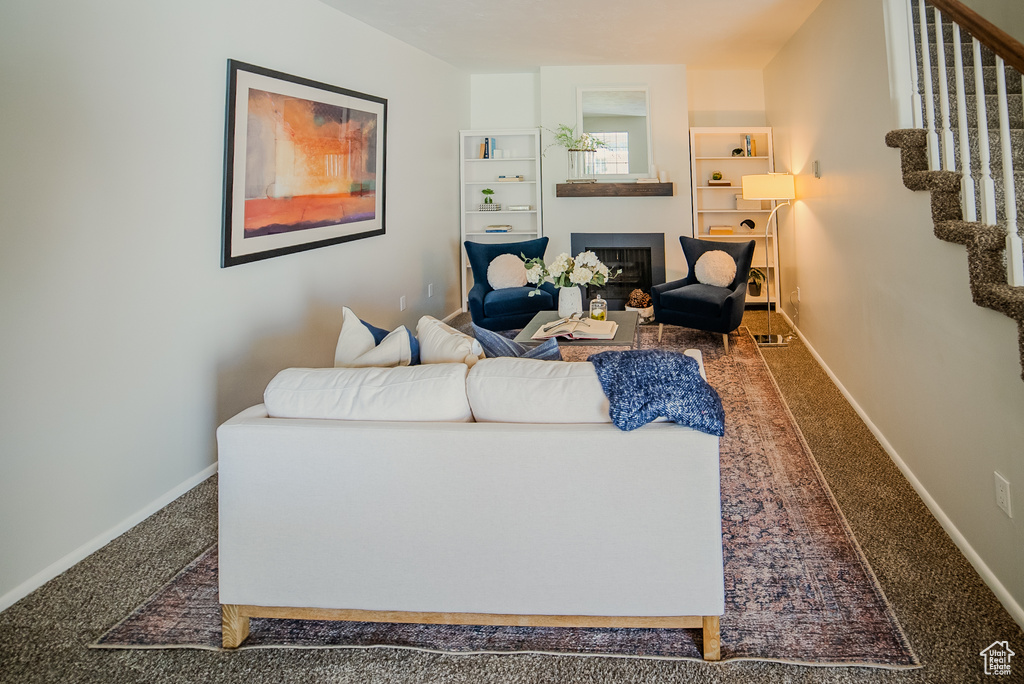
{"x": 769, "y": 186}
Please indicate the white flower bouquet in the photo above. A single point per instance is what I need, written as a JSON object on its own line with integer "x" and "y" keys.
{"x": 566, "y": 271}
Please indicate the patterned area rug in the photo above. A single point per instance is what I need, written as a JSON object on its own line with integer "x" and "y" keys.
{"x": 798, "y": 589}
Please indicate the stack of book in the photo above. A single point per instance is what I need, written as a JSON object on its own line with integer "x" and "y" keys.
{"x": 719, "y": 230}
{"x": 510, "y": 179}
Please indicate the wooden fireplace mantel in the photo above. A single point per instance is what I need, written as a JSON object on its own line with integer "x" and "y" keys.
{"x": 614, "y": 190}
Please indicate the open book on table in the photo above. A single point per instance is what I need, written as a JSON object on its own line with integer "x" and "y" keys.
{"x": 577, "y": 328}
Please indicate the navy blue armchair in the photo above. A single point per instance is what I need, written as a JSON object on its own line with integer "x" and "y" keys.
{"x": 512, "y": 307}
{"x": 692, "y": 304}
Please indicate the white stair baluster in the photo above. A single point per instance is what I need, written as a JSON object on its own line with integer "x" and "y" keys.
{"x": 986, "y": 187}
{"x": 966, "y": 180}
{"x": 948, "y": 155}
{"x": 1014, "y": 247}
{"x": 929, "y": 92}
{"x": 915, "y": 97}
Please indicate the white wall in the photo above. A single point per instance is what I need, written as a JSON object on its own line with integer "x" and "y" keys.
{"x": 1004, "y": 14}
{"x": 885, "y": 303}
{"x": 725, "y": 98}
{"x": 124, "y": 343}
{"x": 670, "y": 144}
{"x": 505, "y": 100}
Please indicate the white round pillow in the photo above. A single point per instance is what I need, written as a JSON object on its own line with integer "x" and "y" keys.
{"x": 506, "y": 270}
{"x": 715, "y": 268}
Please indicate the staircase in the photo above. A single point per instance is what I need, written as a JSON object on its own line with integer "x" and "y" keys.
{"x": 954, "y": 194}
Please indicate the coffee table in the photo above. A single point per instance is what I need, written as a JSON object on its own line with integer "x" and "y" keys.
{"x": 625, "y": 335}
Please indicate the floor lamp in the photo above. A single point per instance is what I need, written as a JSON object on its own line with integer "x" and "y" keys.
{"x": 775, "y": 187}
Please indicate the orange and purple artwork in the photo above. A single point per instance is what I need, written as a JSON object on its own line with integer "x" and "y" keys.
{"x": 307, "y": 164}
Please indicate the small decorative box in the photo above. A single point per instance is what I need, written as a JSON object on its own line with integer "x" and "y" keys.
{"x": 489, "y": 207}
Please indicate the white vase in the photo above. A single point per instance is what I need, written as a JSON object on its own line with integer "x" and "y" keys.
{"x": 570, "y": 301}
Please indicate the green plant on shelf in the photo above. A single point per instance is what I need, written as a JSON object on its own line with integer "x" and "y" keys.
{"x": 565, "y": 136}
{"x": 487, "y": 192}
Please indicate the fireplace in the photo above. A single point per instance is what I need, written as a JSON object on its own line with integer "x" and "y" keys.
{"x": 641, "y": 256}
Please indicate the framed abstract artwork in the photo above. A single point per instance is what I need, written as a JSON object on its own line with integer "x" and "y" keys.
{"x": 303, "y": 165}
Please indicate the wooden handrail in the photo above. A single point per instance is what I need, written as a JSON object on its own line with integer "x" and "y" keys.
{"x": 989, "y": 35}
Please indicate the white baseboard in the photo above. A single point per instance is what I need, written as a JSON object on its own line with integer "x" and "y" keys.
{"x": 449, "y": 317}
{"x": 1012, "y": 607}
{"x": 101, "y": 540}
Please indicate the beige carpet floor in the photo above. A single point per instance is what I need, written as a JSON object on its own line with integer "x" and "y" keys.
{"x": 948, "y": 613}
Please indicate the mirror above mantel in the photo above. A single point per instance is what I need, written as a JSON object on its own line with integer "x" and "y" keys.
{"x": 620, "y": 117}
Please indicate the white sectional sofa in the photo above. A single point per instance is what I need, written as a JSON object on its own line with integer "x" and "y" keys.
{"x": 500, "y": 494}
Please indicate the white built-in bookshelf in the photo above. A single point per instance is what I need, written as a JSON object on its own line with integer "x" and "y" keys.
{"x": 520, "y": 215}
{"x": 718, "y": 210}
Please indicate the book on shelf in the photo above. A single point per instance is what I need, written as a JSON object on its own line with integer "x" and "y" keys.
{"x": 719, "y": 183}
{"x": 577, "y": 328}
{"x": 510, "y": 179}
{"x": 497, "y": 229}
{"x": 719, "y": 230}
{"x": 749, "y": 146}
{"x": 520, "y": 207}
{"x": 487, "y": 147}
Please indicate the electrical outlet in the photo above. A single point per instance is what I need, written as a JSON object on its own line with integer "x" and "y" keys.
{"x": 430, "y": 289}
{"x": 798, "y": 294}
{"x": 401, "y": 303}
{"x": 1003, "y": 494}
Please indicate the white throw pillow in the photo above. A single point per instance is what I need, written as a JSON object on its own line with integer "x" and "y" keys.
{"x": 506, "y": 270}
{"x": 511, "y": 390}
{"x": 715, "y": 268}
{"x": 440, "y": 343}
{"x": 517, "y": 390}
{"x": 358, "y": 349}
{"x": 404, "y": 393}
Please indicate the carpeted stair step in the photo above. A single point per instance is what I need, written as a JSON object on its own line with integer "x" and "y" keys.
{"x": 1012, "y": 80}
{"x": 1014, "y": 107}
{"x": 1001, "y": 297}
{"x": 988, "y": 58}
{"x": 995, "y": 148}
{"x": 997, "y": 183}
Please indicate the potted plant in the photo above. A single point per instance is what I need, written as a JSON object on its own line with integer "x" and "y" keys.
{"x": 567, "y": 274}
{"x": 577, "y": 146}
{"x": 640, "y": 302}
{"x": 489, "y": 204}
{"x": 755, "y": 281}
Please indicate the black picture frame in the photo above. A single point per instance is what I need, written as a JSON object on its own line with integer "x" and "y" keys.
{"x": 304, "y": 165}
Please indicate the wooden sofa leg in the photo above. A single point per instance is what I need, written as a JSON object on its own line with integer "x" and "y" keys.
{"x": 725, "y": 338}
{"x": 234, "y": 627}
{"x": 712, "y": 638}
{"x": 661, "y": 328}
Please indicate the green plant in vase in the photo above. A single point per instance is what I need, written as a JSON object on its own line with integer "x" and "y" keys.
{"x": 487, "y": 192}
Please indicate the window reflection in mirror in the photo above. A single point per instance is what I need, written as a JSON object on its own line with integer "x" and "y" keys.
{"x": 619, "y": 116}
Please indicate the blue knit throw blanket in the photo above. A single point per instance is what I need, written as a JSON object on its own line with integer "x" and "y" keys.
{"x": 645, "y": 384}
